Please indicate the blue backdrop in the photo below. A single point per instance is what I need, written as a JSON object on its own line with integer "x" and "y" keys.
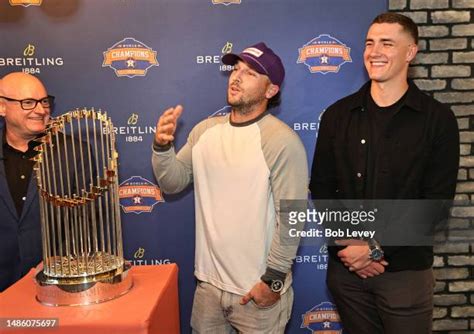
{"x": 134, "y": 59}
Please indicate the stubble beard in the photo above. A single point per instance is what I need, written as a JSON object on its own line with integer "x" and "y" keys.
{"x": 243, "y": 107}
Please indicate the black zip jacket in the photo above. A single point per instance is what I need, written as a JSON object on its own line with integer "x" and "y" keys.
{"x": 417, "y": 157}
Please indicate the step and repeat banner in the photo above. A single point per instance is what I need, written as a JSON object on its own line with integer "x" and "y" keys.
{"x": 136, "y": 58}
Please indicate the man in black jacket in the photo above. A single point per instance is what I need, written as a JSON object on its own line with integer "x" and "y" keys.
{"x": 25, "y": 107}
{"x": 388, "y": 141}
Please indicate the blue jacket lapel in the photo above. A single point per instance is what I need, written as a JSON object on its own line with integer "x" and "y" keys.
{"x": 4, "y": 190}
{"x": 31, "y": 195}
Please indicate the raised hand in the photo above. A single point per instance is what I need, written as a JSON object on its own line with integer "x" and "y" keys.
{"x": 166, "y": 126}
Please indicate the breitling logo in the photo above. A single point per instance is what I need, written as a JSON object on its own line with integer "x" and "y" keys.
{"x": 216, "y": 59}
{"x": 133, "y": 119}
{"x": 227, "y": 48}
{"x": 133, "y": 132}
{"x": 29, "y": 62}
{"x": 29, "y": 50}
{"x": 138, "y": 259}
{"x": 140, "y": 252}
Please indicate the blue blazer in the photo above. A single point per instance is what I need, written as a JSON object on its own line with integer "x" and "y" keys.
{"x": 20, "y": 237}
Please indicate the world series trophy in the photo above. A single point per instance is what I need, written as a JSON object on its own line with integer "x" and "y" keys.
{"x": 77, "y": 177}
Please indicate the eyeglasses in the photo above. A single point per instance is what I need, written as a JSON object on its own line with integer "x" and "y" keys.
{"x": 30, "y": 104}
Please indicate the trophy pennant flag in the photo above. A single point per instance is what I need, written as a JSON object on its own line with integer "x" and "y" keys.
{"x": 76, "y": 169}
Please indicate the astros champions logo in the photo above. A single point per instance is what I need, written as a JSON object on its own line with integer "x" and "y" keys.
{"x": 226, "y": 2}
{"x": 130, "y": 58}
{"x": 324, "y": 54}
{"x": 138, "y": 195}
{"x": 322, "y": 319}
{"x": 26, "y": 3}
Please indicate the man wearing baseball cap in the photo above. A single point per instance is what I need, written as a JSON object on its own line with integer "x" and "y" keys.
{"x": 242, "y": 164}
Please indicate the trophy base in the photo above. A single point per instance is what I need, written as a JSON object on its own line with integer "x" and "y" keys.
{"x": 85, "y": 290}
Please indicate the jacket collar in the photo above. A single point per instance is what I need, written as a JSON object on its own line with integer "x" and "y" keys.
{"x": 31, "y": 144}
{"x": 4, "y": 190}
{"x": 412, "y": 99}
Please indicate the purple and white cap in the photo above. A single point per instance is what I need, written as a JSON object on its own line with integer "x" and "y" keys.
{"x": 262, "y": 59}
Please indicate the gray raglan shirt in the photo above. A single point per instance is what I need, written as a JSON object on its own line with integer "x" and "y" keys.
{"x": 240, "y": 174}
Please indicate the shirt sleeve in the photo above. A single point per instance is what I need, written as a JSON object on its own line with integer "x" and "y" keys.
{"x": 173, "y": 171}
{"x": 442, "y": 169}
{"x": 288, "y": 165}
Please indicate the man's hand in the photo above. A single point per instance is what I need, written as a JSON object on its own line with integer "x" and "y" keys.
{"x": 166, "y": 126}
{"x": 262, "y": 295}
{"x": 373, "y": 269}
{"x": 355, "y": 255}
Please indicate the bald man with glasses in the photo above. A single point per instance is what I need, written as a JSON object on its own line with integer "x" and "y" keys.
{"x": 25, "y": 107}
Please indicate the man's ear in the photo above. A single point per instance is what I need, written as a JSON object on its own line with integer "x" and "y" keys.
{"x": 272, "y": 90}
{"x": 412, "y": 50}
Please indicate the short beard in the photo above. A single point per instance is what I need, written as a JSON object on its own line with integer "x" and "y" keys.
{"x": 244, "y": 107}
